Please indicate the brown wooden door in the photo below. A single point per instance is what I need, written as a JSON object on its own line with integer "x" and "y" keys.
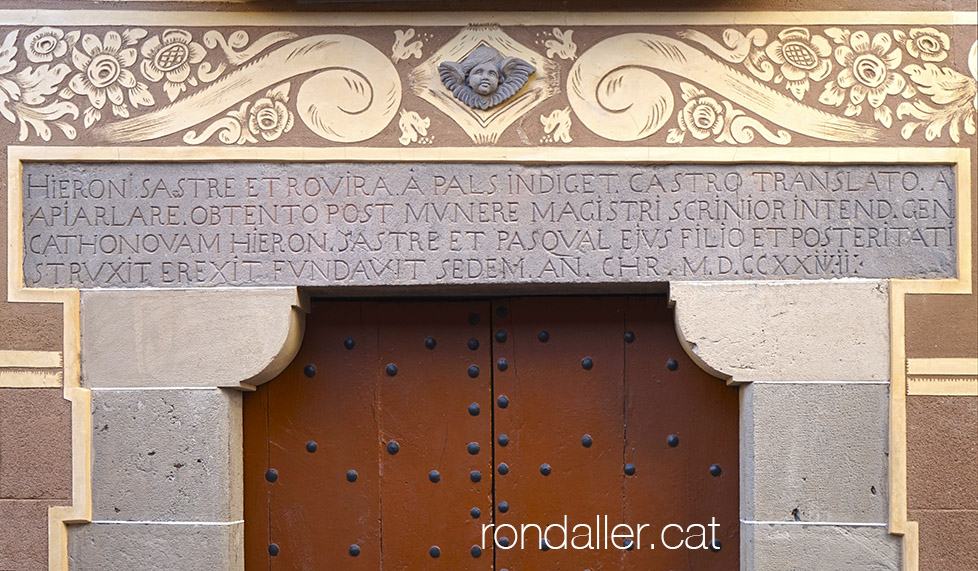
{"x": 403, "y": 428}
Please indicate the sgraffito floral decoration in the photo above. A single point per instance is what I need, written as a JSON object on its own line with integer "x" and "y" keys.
{"x": 828, "y": 83}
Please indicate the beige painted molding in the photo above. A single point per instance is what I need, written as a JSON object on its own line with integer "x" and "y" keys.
{"x": 942, "y": 367}
{"x": 942, "y": 377}
{"x": 30, "y": 369}
{"x": 362, "y": 19}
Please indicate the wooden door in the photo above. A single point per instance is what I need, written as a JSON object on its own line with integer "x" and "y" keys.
{"x": 411, "y": 435}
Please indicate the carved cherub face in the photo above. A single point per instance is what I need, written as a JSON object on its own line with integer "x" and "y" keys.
{"x": 484, "y": 78}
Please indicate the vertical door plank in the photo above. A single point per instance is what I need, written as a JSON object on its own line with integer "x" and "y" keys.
{"x": 673, "y": 484}
{"x": 317, "y": 513}
{"x": 441, "y": 352}
{"x": 555, "y": 399}
{"x": 255, "y": 415}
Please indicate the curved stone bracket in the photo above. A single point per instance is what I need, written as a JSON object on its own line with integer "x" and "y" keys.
{"x": 188, "y": 338}
{"x": 785, "y": 331}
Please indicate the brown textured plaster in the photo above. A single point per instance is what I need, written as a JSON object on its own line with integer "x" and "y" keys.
{"x": 23, "y": 326}
{"x": 942, "y": 452}
{"x": 35, "y": 444}
{"x": 24, "y": 534}
{"x": 947, "y": 539}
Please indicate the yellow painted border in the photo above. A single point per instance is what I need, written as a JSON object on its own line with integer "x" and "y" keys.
{"x": 942, "y": 367}
{"x": 363, "y": 19}
{"x": 899, "y": 289}
{"x": 942, "y": 377}
{"x": 30, "y": 369}
{"x": 81, "y": 508}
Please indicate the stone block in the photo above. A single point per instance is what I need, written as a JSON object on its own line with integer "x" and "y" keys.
{"x": 767, "y": 547}
{"x": 166, "y": 455}
{"x": 819, "y": 452}
{"x": 770, "y": 331}
{"x": 143, "y": 547}
{"x": 24, "y": 534}
{"x": 179, "y": 338}
{"x": 35, "y": 444}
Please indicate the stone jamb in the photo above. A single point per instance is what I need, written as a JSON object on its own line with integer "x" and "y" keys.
{"x": 81, "y": 509}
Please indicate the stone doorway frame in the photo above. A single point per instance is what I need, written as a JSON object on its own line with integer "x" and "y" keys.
{"x": 826, "y": 361}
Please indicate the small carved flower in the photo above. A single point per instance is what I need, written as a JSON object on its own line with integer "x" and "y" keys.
{"x": 869, "y": 72}
{"x": 170, "y": 55}
{"x": 47, "y": 43}
{"x": 104, "y": 75}
{"x": 702, "y": 116}
{"x": 269, "y": 116}
{"x": 802, "y": 57}
{"x": 926, "y": 44}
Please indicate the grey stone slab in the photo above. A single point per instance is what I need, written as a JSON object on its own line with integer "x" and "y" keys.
{"x": 140, "y": 225}
{"x": 188, "y": 338}
{"x": 818, "y": 452}
{"x": 166, "y": 455}
{"x": 145, "y": 547}
{"x": 771, "y": 331}
{"x": 779, "y": 547}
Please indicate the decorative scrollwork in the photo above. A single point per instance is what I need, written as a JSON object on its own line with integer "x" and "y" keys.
{"x": 617, "y": 92}
{"x": 704, "y": 117}
{"x": 340, "y": 102}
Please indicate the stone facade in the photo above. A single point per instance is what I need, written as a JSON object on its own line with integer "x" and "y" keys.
{"x": 120, "y": 415}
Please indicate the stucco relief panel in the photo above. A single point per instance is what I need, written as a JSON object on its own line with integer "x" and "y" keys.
{"x": 671, "y": 86}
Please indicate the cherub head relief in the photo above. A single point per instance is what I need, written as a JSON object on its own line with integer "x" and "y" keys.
{"x": 484, "y": 78}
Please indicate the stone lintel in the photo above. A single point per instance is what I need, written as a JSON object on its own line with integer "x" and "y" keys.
{"x": 189, "y": 338}
{"x": 777, "y": 331}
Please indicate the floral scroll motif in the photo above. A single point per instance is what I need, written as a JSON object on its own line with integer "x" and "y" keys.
{"x": 869, "y": 71}
{"x": 734, "y": 86}
{"x": 895, "y": 75}
{"x": 268, "y": 118}
{"x": 104, "y": 74}
{"x": 45, "y": 44}
{"x": 803, "y": 58}
{"x": 704, "y": 117}
{"x": 115, "y": 83}
{"x": 169, "y": 56}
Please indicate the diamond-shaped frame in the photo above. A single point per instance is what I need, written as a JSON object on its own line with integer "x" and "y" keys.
{"x": 485, "y": 126}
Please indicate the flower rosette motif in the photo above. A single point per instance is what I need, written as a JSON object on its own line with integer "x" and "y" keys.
{"x": 46, "y": 44}
{"x": 803, "y": 58}
{"x": 702, "y": 117}
{"x": 168, "y": 57}
{"x": 104, "y": 76}
{"x": 869, "y": 73}
{"x": 925, "y": 44}
{"x": 269, "y": 116}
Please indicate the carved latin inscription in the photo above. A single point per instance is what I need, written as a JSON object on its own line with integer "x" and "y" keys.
{"x": 391, "y": 224}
